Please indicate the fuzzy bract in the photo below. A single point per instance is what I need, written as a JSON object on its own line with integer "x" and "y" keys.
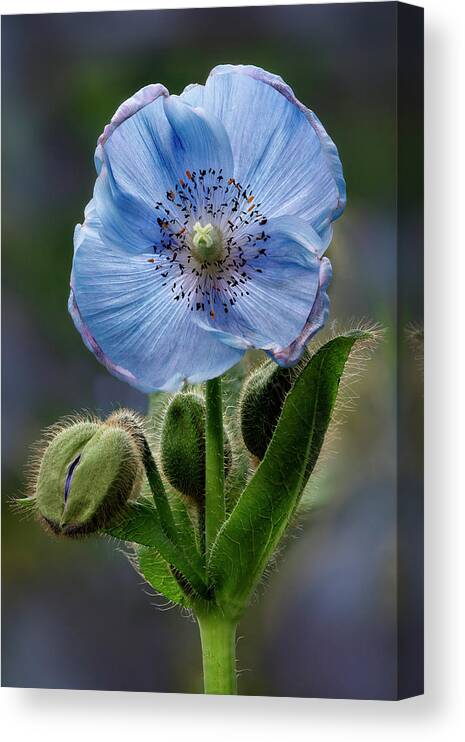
{"x": 205, "y": 235}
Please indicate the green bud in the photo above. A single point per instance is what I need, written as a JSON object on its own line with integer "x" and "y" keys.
{"x": 183, "y": 446}
{"x": 261, "y": 403}
{"x": 88, "y": 472}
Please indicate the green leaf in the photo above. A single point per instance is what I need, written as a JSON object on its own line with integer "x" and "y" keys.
{"x": 187, "y": 536}
{"x": 140, "y": 524}
{"x": 158, "y": 574}
{"x": 249, "y": 536}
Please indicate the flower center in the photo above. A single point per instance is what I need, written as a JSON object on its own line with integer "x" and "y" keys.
{"x": 207, "y": 243}
{"x": 212, "y": 241}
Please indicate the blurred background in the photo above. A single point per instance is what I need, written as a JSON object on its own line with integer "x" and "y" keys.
{"x": 75, "y": 614}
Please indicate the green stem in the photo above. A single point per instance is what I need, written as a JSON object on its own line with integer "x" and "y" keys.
{"x": 159, "y": 495}
{"x": 218, "y": 636}
{"x": 214, "y": 484}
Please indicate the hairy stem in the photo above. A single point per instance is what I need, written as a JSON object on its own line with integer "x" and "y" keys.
{"x": 218, "y": 636}
{"x": 159, "y": 495}
{"x": 214, "y": 484}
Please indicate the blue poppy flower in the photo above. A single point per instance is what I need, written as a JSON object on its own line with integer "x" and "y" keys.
{"x": 206, "y": 232}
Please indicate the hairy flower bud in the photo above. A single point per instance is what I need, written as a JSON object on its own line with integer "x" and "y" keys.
{"x": 88, "y": 472}
{"x": 183, "y": 446}
{"x": 261, "y": 404}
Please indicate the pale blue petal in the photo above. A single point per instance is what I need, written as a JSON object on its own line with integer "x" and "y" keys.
{"x": 145, "y": 157}
{"x": 269, "y": 306}
{"x": 132, "y": 105}
{"x": 126, "y": 313}
{"x": 277, "y": 150}
{"x": 328, "y": 146}
{"x": 200, "y": 139}
{"x": 92, "y": 345}
{"x": 128, "y": 108}
{"x": 289, "y": 356}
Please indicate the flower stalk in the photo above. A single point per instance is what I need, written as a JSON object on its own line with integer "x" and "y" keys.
{"x": 214, "y": 472}
{"x": 159, "y": 495}
{"x": 218, "y": 636}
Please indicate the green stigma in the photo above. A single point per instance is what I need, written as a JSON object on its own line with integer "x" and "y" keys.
{"x": 207, "y": 243}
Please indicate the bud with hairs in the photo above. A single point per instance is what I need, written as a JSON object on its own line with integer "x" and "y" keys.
{"x": 182, "y": 446}
{"x": 88, "y": 470}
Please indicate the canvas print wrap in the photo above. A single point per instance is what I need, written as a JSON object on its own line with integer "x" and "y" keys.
{"x": 213, "y": 326}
